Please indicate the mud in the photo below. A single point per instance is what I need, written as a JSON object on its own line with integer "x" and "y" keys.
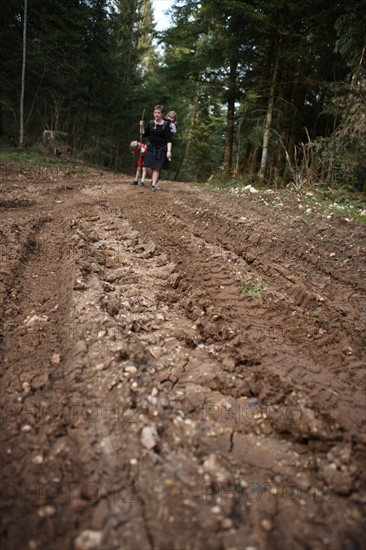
{"x": 181, "y": 370}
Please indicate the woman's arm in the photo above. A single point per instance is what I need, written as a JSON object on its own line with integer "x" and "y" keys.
{"x": 168, "y": 139}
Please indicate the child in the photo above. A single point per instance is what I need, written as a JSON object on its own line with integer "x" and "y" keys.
{"x": 172, "y": 118}
{"x": 139, "y": 149}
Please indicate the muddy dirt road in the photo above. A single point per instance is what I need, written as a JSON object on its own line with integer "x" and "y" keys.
{"x": 181, "y": 370}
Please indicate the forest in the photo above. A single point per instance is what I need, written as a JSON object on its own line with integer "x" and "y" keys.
{"x": 270, "y": 91}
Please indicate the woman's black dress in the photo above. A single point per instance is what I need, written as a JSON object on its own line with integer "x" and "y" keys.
{"x": 159, "y": 135}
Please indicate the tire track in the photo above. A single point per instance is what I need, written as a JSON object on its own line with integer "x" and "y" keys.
{"x": 250, "y": 436}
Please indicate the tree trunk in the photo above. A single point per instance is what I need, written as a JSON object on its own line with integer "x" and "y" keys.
{"x": 191, "y": 119}
{"x": 229, "y": 135}
{"x": 268, "y": 121}
{"x": 21, "y": 122}
{"x": 1, "y": 120}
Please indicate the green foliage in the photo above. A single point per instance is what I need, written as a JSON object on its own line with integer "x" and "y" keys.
{"x": 361, "y": 347}
{"x": 343, "y": 201}
{"x": 93, "y": 66}
{"x": 254, "y": 290}
{"x": 343, "y": 153}
{"x": 30, "y": 156}
{"x": 84, "y": 70}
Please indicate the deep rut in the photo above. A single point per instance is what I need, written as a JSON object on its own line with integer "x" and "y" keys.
{"x": 174, "y": 376}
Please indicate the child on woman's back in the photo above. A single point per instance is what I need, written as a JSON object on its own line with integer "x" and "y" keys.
{"x": 172, "y": 119}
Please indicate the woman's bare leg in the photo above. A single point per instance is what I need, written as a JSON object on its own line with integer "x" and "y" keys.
{"x": 155, "y": 177}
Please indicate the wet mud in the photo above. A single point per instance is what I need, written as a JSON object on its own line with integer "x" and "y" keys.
{"x": 180, "y": 370}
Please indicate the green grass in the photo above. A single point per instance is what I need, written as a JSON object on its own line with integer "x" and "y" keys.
{"x": 254, "y": 290}
{"x": 316, "y": 312}
{"x": 220, "y": 182}
{"x": 343, "y": 202}
{"x": 361, "y": 348}
{"x": 35, "y": 158}
{"x": 340, "y": 201}
{"x": 305, "y": 218}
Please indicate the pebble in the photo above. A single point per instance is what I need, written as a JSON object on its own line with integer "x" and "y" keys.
{"x": 26, "y": 388}
{"x": 266, "y": 525}
{"x": 131, "y": 369}
{"x": 46, "y": 512}
{"x": 79, "y": 285}
{"x": 211, "y": 463}
{"x": 158, "y": 351}
{"x": 227, "y": 523}
{"x": 216, "y": 510}
{"x": 38, "y": 459}
{"x": 26, "y": 428}
{"x": 88, "y": 540}
{"x": 55, "y": 359}
{"x": 149, "y": 437}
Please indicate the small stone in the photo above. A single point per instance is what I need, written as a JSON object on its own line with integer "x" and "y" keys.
{"x": 26, "y": 428}
{"x": 38, "y": 459}
{"x": 26, "y": 388}
{"x": 131, "y": 369}
{"x": 46, "y": 511}
{"x": 158, "y": 351}
{"x": 79, "y": 285}
{"x": 149, "y": 437}
{"x": 133, "y": 461}
{"x": 55, "y": 359}
{"x": 227, "y": 523}
{"x": 32, "y": 319}
{"x": 332, "y": 254}
{"x": 211, "y": 463}
{"x": 88, "y": 540}
{"x": 266, "y": 525}
{"x": 216, "y": 510}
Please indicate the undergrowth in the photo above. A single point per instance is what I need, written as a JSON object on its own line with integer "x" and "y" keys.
{"x": 29, "y": 156}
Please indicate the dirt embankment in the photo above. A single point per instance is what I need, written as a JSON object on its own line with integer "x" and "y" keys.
{"x": 181, "y": 370}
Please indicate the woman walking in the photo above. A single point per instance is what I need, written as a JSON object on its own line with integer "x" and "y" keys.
{"x": 159, "y": 149}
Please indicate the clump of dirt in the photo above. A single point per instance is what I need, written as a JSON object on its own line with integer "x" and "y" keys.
{"x": 181, "y": 369}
